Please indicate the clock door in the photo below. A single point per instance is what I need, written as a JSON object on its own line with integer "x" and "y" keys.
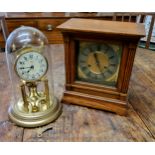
{"x": 98, "y": 62}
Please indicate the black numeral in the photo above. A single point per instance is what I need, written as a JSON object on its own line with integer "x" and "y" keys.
{"x": 109, "y": 71}
{"x": 111, "y": 57}
{"x": 31, "y": 56}
{"x": 25, "y": 58}
{"x": 21, "y": 62}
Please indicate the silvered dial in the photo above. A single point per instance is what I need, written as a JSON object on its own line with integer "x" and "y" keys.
{"x": 31, "y": 66}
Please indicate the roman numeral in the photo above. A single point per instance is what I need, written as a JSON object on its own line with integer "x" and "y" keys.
{"x": 93, "y": 48}
{"x": 84, "y": 68}
{"x": 109, "y": 71}
{"x": 113, "y": 64}
{"x": 41, "y": 60}
{"x": 31, "y": 56}
{"x": 82, "y": 61}
{"x": 111, "y": 57}
{"x": 104, "y": 48}
{"x": 21, "y": 62}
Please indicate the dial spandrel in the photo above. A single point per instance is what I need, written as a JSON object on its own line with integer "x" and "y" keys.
{"x": 99, "y": 63}
{"x": 31, "y": 66}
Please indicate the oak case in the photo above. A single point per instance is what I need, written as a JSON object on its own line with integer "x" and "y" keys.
{"x": 110, "y": 98}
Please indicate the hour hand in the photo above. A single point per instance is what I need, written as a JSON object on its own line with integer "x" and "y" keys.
{"x": 96, "y": 59}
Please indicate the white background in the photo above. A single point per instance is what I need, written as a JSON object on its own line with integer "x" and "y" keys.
{"x": 77, "y": 6}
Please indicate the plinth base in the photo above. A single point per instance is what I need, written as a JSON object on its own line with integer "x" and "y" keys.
{"x": 113, "y": 105}
{"x": 24, "y": 119}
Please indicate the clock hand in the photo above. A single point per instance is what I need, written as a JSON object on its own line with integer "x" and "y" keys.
{"x": 96, "y": 58}
{"x": 97, "y": 62}
{"x": 24, "y": 67}
{"x": 31, "y": 67}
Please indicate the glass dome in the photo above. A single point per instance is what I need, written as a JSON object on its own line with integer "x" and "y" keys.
{"x": 30, "y": 71}
{"x": 25, "y": 36}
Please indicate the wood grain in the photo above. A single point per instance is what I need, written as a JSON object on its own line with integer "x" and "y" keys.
{"x": 5, "y": 88}
{"x": 142, "y": 88}
{"x": 102, "y": 26}
{"x": 96, "y": 95}
{"x": 83, "y": 124}
{"x": 8, "y": 131}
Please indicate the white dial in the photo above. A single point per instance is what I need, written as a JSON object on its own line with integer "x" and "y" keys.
{"x": 31, "y": 66}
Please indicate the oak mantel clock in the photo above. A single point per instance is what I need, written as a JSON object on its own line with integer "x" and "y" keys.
{"x": 99, "y": 56}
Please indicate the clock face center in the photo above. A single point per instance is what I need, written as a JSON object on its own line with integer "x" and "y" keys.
{"x": 31, "y": 66}
{"x": 97, "y": 62}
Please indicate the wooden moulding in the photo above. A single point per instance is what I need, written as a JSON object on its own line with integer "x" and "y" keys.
{"x": 103, "y": 27}
{"x": 98, "y": 91}
{"x": 97, "y": 96}
{"x": 114, "y": 105}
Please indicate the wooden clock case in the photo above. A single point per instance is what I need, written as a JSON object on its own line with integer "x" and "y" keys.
{"x": 97, "y": 96}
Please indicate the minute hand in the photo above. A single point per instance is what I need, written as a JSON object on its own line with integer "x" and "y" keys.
{"x": 97, "y": 62}
{"x": 24, "y": 67}
{"x": 27, "y": 67}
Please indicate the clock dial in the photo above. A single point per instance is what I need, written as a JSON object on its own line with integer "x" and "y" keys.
{"x": 31, "y": 66}
{"x": 98, "y": 63}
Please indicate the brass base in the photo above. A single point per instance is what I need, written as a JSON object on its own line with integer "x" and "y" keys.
{"x": 36, "y": 119}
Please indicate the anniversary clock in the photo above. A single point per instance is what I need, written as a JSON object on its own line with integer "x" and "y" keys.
{"x": 99, "y": 56}
{"x": 33, "y": 102}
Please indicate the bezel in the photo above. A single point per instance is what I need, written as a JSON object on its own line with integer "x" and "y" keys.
{"x": 25, "y": 50}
